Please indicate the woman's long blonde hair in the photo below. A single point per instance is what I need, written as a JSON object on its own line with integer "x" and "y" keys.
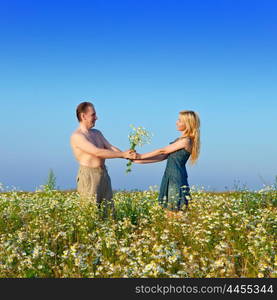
{"x": 192, "y": 123}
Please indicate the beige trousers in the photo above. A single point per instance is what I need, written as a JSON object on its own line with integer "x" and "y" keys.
{"x": 94, "y": 184}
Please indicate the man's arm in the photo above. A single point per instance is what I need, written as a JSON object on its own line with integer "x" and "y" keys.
{"x": 79, "y": 141}
{"x": 107, "y": 144}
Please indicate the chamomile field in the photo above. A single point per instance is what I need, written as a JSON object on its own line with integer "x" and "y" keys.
{"x": 54, "y": 234}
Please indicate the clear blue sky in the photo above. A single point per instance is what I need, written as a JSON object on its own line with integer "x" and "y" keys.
{"x": 139, "y": 62}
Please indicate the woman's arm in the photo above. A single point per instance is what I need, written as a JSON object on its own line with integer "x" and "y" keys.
{"x": 180, "y": 144}
{"x": 152, "y": 160}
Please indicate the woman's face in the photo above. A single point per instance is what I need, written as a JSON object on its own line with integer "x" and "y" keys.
{"x": 180, "y": 124}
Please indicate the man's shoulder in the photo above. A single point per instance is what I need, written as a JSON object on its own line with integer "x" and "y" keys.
{"x": 75, "y": 134}
{"x": 96, "y": 131}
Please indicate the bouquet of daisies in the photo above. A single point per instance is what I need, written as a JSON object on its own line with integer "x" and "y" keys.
{"x": 138, "y": 137}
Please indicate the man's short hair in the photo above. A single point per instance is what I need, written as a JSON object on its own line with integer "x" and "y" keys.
{"x": 82, "y": 108}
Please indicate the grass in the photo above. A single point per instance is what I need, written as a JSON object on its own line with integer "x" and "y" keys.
{"x": 53, "y": 234}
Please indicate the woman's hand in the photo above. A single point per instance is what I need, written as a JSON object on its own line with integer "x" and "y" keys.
{"x": 130, "y": 154}
{"x": 137, "y": 159}
{"x": 138, "y": 156}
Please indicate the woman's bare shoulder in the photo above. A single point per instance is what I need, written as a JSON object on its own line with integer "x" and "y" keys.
{"x": 185, "y": 138}
{"x": 187, "y": 141}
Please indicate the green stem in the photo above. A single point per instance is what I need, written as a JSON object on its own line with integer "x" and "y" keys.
{"x": 129, "y": 163}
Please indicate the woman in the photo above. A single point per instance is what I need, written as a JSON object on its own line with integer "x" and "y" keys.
{"x": 174, "y": 190}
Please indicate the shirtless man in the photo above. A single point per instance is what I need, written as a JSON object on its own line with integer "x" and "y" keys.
{"x": 91, "y": 149}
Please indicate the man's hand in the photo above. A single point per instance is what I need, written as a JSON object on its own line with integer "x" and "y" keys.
{"x": 130, "y": 154}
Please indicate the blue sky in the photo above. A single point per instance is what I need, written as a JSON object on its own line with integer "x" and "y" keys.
{"x": 139, "y": 62}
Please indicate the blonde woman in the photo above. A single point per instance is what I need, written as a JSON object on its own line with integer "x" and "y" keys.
{"x": 174, "y": 191}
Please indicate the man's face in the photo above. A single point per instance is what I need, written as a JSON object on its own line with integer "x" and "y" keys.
{"x": 90, "y": 117}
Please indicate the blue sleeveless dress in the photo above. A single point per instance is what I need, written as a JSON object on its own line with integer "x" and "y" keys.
{"x": 174, "y": 190}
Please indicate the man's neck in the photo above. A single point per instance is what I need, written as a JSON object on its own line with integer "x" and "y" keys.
{"x": 84, "y": 128}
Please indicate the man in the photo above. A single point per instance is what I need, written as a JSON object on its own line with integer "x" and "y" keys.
{"x": 91, "y": 149}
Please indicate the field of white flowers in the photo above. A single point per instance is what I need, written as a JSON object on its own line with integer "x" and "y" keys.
{"x": 52, "y": 234}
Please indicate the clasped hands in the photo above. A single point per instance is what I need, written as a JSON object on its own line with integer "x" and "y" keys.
{"x": 131, "y": 154}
